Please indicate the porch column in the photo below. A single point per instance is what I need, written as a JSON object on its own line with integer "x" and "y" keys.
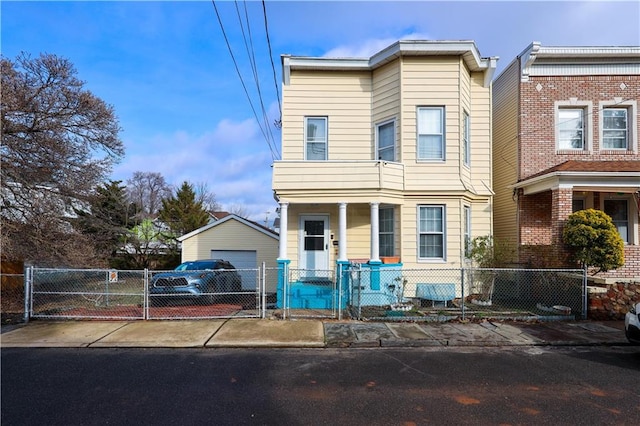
{"x": 561, "y": 208}
{"x": 282, "y": 241}
{"x": 342, "y": 231}
{"x": 375, "y": 233}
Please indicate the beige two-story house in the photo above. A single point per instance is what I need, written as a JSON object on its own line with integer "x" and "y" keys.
{"x": 386, "y": 158}
{"x": 566, "y": 129}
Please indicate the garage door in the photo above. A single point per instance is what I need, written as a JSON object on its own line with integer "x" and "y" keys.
{"x": 244, "y": 260}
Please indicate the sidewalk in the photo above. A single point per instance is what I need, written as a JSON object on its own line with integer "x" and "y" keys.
{"x": 256, "y": 333}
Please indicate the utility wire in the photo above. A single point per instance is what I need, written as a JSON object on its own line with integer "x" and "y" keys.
{"x": 275, "y": 79}
{"x": 235, "y": 63}
{"x": 252, "y": 60}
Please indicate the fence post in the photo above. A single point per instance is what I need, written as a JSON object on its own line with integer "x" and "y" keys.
{"x": 585, "y": 303}
{"x": 28, "y": 276}
{"x": 262, "y": 286}
{"x": 462, "y": 273}
{"x": 145, "y": 299}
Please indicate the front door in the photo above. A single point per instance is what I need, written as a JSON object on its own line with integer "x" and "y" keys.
{"x": 314, "y": 243}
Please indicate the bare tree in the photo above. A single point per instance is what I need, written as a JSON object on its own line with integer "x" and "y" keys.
{"x": 205, "y": 196}
{"x": 147, "y": 190}
{"x": 58, "y": 142}
{"x": 238, "y": 209}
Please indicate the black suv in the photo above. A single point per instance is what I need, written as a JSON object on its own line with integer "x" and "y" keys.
{"x": 200, "y": 279}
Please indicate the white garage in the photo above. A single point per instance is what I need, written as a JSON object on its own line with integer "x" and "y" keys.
{"x": 244, "y": 243}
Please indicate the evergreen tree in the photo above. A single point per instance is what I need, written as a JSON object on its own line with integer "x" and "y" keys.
{"x": 594, "y": 239}
{"x": 108, "y": 218}
{"x": 182, "y": 213}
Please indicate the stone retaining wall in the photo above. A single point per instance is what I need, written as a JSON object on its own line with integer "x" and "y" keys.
{"x": 612, "y": 301}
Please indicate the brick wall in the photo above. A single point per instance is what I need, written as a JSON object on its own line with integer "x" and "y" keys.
{"x": 542, "y": 216}
{"x": 538, "y": 140}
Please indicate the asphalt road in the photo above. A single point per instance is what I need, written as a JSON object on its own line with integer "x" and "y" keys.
{"x": 515, "y": 385}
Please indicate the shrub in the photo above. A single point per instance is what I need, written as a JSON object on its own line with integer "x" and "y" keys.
{"x": 594, "y": 240}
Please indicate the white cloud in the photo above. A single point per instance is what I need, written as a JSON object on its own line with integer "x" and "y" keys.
{"x": 368, "y": 48}
{"x": 233, "y": 159}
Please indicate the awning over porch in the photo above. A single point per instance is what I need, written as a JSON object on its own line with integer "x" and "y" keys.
{"x": 599, "y": 176}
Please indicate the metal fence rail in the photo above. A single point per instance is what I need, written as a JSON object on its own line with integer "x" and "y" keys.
{"x": 310, "y": 294}
{"x": 444, "y": 294}
{"x": 364, "y": 292}
{"x": 131, "y": 295}
{"x": 85, "y": 293}
{"x": 219, "y": 294}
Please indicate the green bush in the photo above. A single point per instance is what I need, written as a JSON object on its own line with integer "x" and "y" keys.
{"x": 594, "y": 240}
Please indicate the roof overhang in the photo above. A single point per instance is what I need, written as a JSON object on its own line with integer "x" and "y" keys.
{"x": 465, "y": 48}
{"x": 619, "y": 182}
{"x": 231, "y": 216}
{"x": 578, "y": 60}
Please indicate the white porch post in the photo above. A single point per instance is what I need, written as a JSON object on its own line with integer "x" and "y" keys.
{"x": 282, "y": 254}
{"x": 342, "y": 231}
{"x": 375, "y": 233}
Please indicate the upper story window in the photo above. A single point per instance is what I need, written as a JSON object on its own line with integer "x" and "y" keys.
{"x": 431, "y": 237}
{"x": 466, "y": 141}
{"x": 615, "y": 133}
{"x": 386, "y": 231}
{"x": 618, "y": 129}
{"x": 386, "y": 135}
{"x": 571, "y": 131}
{"x": 574, "y": 127}
{"x": 430, "y": 133}
{"x": 315, "y": 138}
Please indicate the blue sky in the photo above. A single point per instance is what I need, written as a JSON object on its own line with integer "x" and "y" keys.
{"x": 166, "y": 69}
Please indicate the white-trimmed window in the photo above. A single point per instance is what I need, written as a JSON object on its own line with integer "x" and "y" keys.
{"x": 466, "y": 141}
{"x": 431, "y": 133}
{"x": 618, "y": 209}
{"x": 315, "y": 138}
{"x": 574, "y": 126}
{"x": 386, "y": 140}
{"x": 571, "y": 128}
{"x": 431, "y": 236}
{"x": 386, "y": 231}
{"x": 615, "y": 131}
{"x": 618, "y": 129}
{"x": 466, "y": 232}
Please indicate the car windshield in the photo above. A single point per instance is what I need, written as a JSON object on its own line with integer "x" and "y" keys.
{"x": 195, "y": 266}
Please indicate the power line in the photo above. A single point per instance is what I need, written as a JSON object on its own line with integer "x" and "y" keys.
{"x": 275, "y": 79}
{"x": 235, "y": 63}
{"x": 252, "y": 61}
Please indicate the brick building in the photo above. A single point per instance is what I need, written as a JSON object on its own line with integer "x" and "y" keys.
{"x": 565, "y": 138}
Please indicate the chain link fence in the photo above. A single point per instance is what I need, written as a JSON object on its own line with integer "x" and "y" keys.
{"x": 85, "y": 293}
{"x": 204, "y": 294}
{"x": 445, "y": 294}
{"x": 130, "y": 295}
{"x": 311, "y": 294}
{"x": 363, "y": 292}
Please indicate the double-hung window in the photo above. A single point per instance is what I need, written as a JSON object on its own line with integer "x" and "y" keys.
{"x": 386, "y": 134}
{"x": 466, "y": 141}
{"x": 615, "y": 133}
{"x": 571, "y": 132}
{"x": 467, "y": 230}
{"x": 386, "y": 234}
{"x": 315, "y": 138}
{"x": 431, "y": 238}
{"x": 618, "y": 209}
{"x": 431, "y": 133}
